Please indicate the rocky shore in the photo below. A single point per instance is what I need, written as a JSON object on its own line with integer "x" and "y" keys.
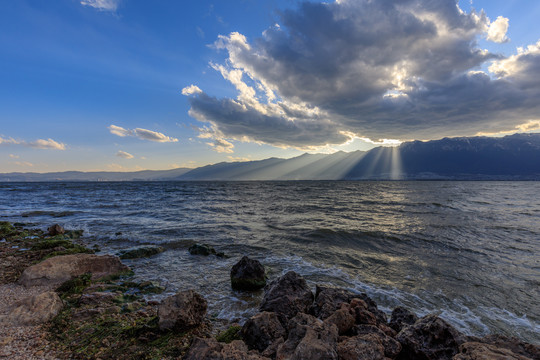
{"x": 59, "y": 300}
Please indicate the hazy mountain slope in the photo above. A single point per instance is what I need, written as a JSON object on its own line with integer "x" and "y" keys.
{"x": 145, "y": 175}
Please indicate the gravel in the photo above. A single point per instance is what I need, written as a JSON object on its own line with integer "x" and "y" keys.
{"x": 22, "y": 342}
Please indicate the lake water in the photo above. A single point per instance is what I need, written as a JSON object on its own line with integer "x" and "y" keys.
{"x": 466, "y": 250}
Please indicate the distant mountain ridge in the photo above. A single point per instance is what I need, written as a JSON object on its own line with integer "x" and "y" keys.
{"x": 513, "y": 157}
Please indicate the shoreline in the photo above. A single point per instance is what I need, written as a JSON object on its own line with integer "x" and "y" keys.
{"x": 133, "y": 321}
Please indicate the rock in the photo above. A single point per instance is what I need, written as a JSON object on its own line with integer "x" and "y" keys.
{"x": 401, "y": 317}
{"x": 56, "y": 270}
{"x": 205, "y": 250}
{"x": 513, "y": 344}
{"x": 140, "y": 252}
{"x": 362, "y": 347}
{"x": 262, "y": 330}
{"x": 309, "y": 338}
{"x": 210, "y": 349}
{"x": 429, "y": 338}
{"x": 248, "y": 274}
{"x": 182, "y": 311}
{"x": 328, "y": 300}
{"x": 55, "y": 230}
{"x": 391, "y": 346}
{"x": 361, "y": 313}
{"x": 342, "y": 318}
{"x": 34, "y": 310}
{"x": 287, "y": 295}
{"x": 480, "y": 351}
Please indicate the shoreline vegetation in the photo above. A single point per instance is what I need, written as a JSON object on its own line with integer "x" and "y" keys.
{"x": 59, "y": 300}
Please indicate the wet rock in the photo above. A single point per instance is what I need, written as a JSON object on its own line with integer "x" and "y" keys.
{"x": 343, "y": 318}
{"x": 328, "y": 300}
{"x": 309, "y": 338}
{"x": 391, "y": 346}
{"x": 401, "y": 317}
{"x": 364, "y": 347}
{"x": 56, "y": 270}
{"x": 34, "y": 310}
{"x": 263, "y": 329}
{"x": 515, "y": 345}
{"x": 182, "y": 311}
{"x": 361, "y": 312}
{"x": 210, "y": 349}
{"x": 98, "y": 298}
{"x": 140, "y": 252}
{"x": 479, "y": 351}
{"x": 55, "y": 230}
{"x": 248, "y": 274}
{"x": 429, "y": 338}
{"x": 205, "y": 250}
{"x": 287, "y": 296}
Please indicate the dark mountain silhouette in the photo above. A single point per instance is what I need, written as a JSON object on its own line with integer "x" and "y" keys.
{"x": 513, "y": 157}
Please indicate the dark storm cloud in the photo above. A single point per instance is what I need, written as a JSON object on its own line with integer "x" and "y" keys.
{"x": 380, "y": 69}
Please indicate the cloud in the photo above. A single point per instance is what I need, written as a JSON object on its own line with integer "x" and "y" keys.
{"x": 141, "y": 134}
{"x": 222, "y": 146}
{"x": 6, "y": 141}
{"x": 190, "y": 90}
{"x": 103, "y": 5}
{"x": 497, "y": 30}
{"x": 331, "y": 72}
{"x": 124, "y": 154}
{"x": 22, "y": 163}
{"x": 38, "y": 144}
{"x": 14, "y": 156}
{"x": 119, "y": 131}
{"x": 47, "y": 144}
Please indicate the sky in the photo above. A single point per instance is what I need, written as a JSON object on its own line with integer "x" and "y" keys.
{"x": 126, "y": 85}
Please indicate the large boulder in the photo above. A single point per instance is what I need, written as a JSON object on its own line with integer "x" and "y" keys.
{"x": 287, "y": 296}
{"x": 309, "y": 338}
{"x": 56, "y": 270}
{"x": 248, "y": 274}
{"x": 262, "y": 330}
{"x": 33, "y": 310}
{"x": 391, "y": 346}
{"x": 401, "y": 317}
{"x": 182, "y": 311}
{"x": 429, "y": 338}
{"x": 480, "y": 351}
{"x": 364, "y": 347}
{"x": 210, "y": 349}
{"x": 328, "y": 300}
{"x": 514, "y": 344}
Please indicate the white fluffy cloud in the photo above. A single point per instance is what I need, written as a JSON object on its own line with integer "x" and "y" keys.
{"x": 143, "y": 134}
{"x": 497, "y": 30}
{"x": 103, "y": 5}
{"x": 47, "y": 144}
{"x": 38, "y": 144}
{"x": 124, "y": 154}
{"x": 330, "y": 72}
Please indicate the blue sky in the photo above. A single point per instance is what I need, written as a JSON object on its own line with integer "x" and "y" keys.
{"x": 127, "y": 85}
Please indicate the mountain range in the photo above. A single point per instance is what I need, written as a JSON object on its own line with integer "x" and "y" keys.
{"x": 513, "y": 157}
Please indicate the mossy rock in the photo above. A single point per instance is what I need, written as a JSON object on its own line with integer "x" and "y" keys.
{"x": 75, "y": 285}
{"x": 140, "y": 252}
{"x": 229, "y": 335}
{"x": 6, "y": 229}
{"x": 205, "y": 250}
